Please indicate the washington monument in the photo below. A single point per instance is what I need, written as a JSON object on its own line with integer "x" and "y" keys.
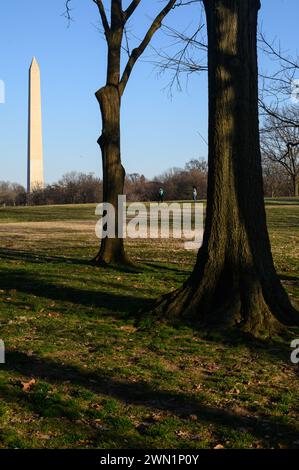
{"x": 35, "y": 169}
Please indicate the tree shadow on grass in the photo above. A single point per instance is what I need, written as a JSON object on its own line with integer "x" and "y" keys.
{"x": 42, "y": 258}
{"x": 38, "y": 257}
{"x": 274, "y": 347}
{"x": 69, "y": 413}
{"x": 285, "y": 277}
{"x": 177, "y": 269}
{"x": 144, "y": 394}
{"x": 129, "y": 305}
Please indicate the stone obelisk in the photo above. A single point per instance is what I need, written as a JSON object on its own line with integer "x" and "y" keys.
{"x": 35, "y": 139}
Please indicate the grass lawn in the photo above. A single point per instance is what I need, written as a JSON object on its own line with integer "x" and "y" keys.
{"x": 81, "y": 373}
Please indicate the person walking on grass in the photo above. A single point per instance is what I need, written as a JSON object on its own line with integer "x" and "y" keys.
{"x": 161, "y": 195}
{"x": 194, "y": 194}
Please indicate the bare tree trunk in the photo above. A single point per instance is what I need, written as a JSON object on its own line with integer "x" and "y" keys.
{"x": 109, "y": 97}
{"x": 112, "y": 249}
{"x": 234, "y": 282}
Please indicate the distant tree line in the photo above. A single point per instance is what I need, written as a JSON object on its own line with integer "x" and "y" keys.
{"x": 72, "y": 188}
{"x": 12, "y": 194}
{"x": 80, "y": 188}
{"x": 176, "y": 182}
{"x": 277, "y": 181}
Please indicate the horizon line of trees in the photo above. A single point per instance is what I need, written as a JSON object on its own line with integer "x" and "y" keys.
{"x": 80, "y": 188}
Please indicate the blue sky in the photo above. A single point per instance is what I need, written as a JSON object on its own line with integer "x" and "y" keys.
{"x": 157, "y": 132}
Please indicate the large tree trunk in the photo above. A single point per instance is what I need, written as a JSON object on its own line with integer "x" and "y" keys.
{"x": 234, "y": 282}
{"x": 112, "y": 249}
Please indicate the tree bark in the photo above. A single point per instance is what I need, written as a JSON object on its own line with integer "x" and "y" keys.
{"x": 109, "y": 98}
{"x": 112, "y": 249}
{"x": 234, "y": 282}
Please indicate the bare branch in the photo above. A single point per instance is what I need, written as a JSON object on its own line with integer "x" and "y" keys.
{"x": 131, "y": 8}
{"x": 103, "y": 15}
{"x": 278, "y": 86}
{"x": 67, "y": 12}
{"x": 138, "y": 51}
{"x": 276, "y": 53}
{"x": 182, "y": 3}
{"x": 127, "y": 47}
{"x": 279, "y": 115}
{"x": 183, "y": 61}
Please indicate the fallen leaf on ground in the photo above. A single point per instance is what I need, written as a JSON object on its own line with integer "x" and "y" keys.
{"x": 28, "y": 385}
{"x": 128, "y": 328}
{"x": 193, "y": 417}
{"x": 44, "y": 437}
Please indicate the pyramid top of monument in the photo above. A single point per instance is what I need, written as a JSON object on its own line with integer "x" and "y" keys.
{"x": 34, "y": 62}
